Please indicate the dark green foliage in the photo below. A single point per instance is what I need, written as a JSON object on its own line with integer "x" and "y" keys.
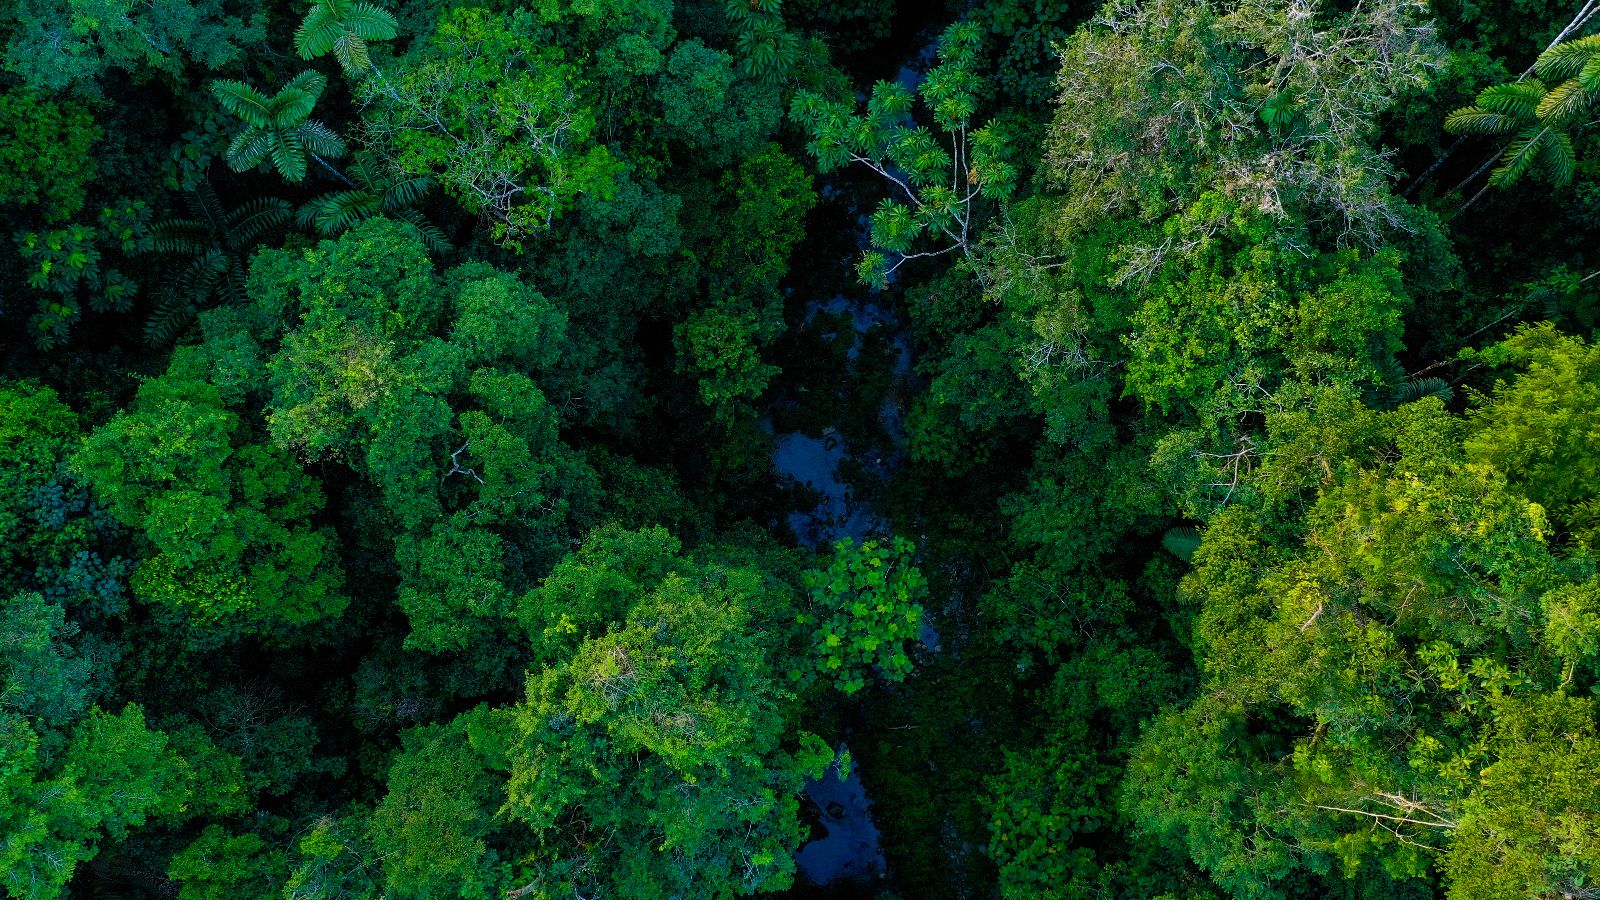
{"x": 1208, "y": 497}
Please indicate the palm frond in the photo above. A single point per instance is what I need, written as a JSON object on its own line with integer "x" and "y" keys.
{"x": 288, "y": 156}
{"x": 1472, "y": 120}
{"x": 432, "y": 235}
{"x": 340, "y": 211}
{"x": 244, "y": 101}
{"x": 172, "y": 315}
{"x": 1417, "y": 388}
{"x": 1518, "y": 158}
{"x": 317, "y": 33}
{"x": 1558, "y": 163}
{"x": 406, "y": 192}
{"x": 256, "y": 220}
{"x": 1563, "y": 104}
{"x": 370, "y": 22}
{"x": 248, "y": 149}
{"x": 1566, "y": 59}
{"x": 351, "y": 52}
{"x": 1181, "y": 541}
{"x": 319, "y": 139}
{"x": 180, "y": 236}
{"x": 1519, "y": 99}
{"x": 292, "y": 105}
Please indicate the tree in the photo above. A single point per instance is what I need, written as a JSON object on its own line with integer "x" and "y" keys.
{"x": 216, "y": 241}
{"x": 866, "y": 606}
{"x": 936, "y": 187}
{"x": 378, "y": 191}
{"x": 226, "y": 516}
{"x": 344, "y": 28}
{"x": 496, "y": 115}
{"x": 279, "y": 128}
{"x": 1540, "y": 119}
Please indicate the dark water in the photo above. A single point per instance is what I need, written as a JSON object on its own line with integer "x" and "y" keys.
{"x": 847, "y": 860}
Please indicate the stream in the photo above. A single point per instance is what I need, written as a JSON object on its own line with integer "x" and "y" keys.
{"x": 839, "y": 435}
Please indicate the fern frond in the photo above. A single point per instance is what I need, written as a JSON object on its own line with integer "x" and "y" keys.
{"x": 1563, "y": 104}
{"x": 244, "y": 101}
{"x": 1566, "y": 59}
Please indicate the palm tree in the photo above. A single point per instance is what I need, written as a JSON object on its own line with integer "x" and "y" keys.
{"x": 377, "y": 192}
{"x": 216, "y": 240}
{"x": 280, "y": 127}
{"x": 343, "y": 27}
{"x": 1539, "y": 119}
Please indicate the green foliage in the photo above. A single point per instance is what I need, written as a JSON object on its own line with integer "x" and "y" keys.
{"x": 867, "y": 608}
{"x": 278, "y": 129}
{"x": 498, "y": 117}
{"x": 1538, "y": 118}
{"x": 936, "y": 187}
{"x": 344, "y": 28}
{"x": 662, "y": 722}
{"x": 44, "y": 152}
{"x": 64, "y": 264}
{"x": 215, "y": 242}
{"x": 769, "y": 49}
{"x": 378, "y": 191}
{"x": 73, "y": 44}
{"x": 227, "y": 517}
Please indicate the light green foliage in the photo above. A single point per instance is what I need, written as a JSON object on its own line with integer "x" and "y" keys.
{"x": 44, "y": 153}
{"x": 867, "y": 606}
{"x": 431, "y": 826}
{"x": 72, "y": 44}
{"x": 227, "y": 518}
{"x": 1542, "y": 427}
{"x": 499, "y": 117}
{"x": 114, "y": 776}
{"x": 933, "y": 188}
{"x": 661, "y": 722}
{"x": 279, "y": 129}
{"x": 1380, "y": 695}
